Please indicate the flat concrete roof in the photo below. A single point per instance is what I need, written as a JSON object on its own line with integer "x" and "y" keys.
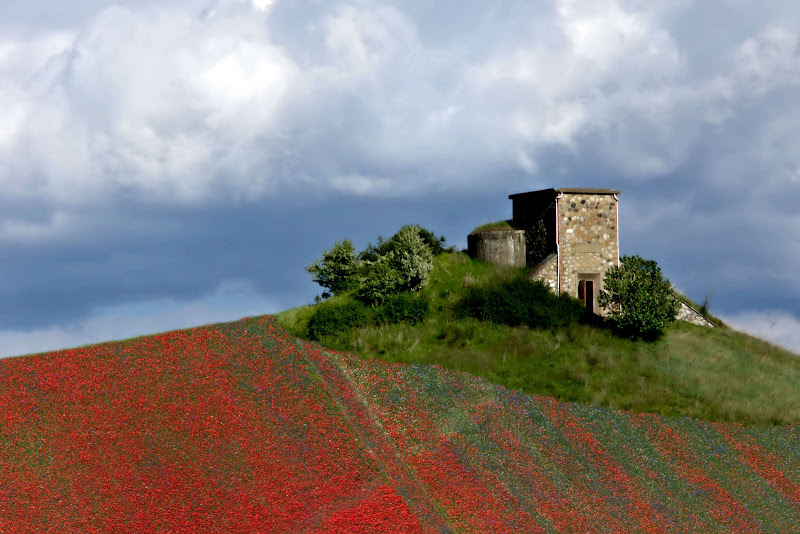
{"x": 585, "y": 190}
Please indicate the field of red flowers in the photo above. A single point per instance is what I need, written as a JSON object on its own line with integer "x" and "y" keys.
{"x": 238, "y": 427}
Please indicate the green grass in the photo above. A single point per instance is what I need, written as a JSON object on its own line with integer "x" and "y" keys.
{"x": 493, "y": 227}
{"x": 712, "y": 374}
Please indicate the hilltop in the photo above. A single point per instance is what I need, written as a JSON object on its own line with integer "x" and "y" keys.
{"x": 240, "y": 427}
{"x": 715, "y": 374}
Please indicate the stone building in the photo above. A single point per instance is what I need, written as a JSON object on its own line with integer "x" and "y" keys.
{"x": 571, "y": 237}
{"x": 568, "y": 237}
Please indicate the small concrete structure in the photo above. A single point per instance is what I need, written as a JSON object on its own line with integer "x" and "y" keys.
{"x": 502, "y": 247}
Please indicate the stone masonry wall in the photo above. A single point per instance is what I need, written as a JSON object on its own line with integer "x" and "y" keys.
{"x": 587, "y": 233}
{"x": 547, "y": 271}
{"x": 690, "y": 315}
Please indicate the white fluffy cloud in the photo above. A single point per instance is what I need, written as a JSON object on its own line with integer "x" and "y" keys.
{"x": 167, "y": 104}
{"x": 158, "y": 102}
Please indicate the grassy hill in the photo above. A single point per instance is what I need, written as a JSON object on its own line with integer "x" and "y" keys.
{"x": 712, "y": 374}
{"x": 240, "y": 427}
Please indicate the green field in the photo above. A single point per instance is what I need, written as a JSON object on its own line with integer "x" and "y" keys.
{"x": 713, "y": 374}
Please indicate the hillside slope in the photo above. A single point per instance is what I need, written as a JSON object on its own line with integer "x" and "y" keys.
{"x": 715, "y": 374}
{"x": 239, "y": 427}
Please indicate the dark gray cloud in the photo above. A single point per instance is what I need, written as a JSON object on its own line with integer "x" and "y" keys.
{"x": 182, "y": 253}
{"x": 157, "y": 152}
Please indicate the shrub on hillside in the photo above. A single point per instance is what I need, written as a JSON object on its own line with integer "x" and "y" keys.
{"x": 402, "y": 307}
{"x": 329, "y": 319}
{"x": 337, "y": 269}
{"x": 520, "y": 302}
{"x": 401, "y": 264}
{"x": 436, "y": 244}
{"x": 378, "y": 281}
{"x": 472, "y": 304}
{"x": 413, "y": 258}
{"x": 641, "y": 300}
{"x": 385, "y": 246}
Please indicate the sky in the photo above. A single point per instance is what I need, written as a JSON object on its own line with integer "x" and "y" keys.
{"x": 172, "y": 163}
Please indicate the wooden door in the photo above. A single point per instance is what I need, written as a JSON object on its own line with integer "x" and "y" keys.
{"x": 586, "y": 294}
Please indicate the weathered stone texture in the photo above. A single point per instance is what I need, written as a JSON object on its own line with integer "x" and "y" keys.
{"x": 587, "y": 235}
{"x": 690, "y": 315}
{"x": 547, "y": 271}
{"x": 502, "y": 247}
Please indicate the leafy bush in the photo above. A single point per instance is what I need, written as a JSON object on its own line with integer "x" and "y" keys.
{"x": 412, "y": 258}
{"x": 384, "y": 246}
{"x": 436, "y": 244}
{"x": 329, "y": 319}
{"x": 372, "y": 252}
{"x": 337, "y": 269}
{"x": 472, "y": 304}
{"x": 379, "y": 280}
{"x": 520, "y": 302}
{"x": 641, "y": 300}
{"x": 566, "y": 310}
{"x": 403, "y": 307}
{"x": 401, "y": 264}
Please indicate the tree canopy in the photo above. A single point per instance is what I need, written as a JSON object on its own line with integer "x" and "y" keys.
{"x": 400, "y": 263}
{"x": 639, "y": 297}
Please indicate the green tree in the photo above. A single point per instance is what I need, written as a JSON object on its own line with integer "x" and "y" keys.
{"x": 639, "y": 298}
{"x": 437, "y": 244}
{"x": 337, "y": 270}
{"x": 399, "y": 264}
{"x": 413, "y": 258}
{"x": 379, "y": 280}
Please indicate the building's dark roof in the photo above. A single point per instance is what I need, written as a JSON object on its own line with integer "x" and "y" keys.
{"x": 584, "y": 190}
